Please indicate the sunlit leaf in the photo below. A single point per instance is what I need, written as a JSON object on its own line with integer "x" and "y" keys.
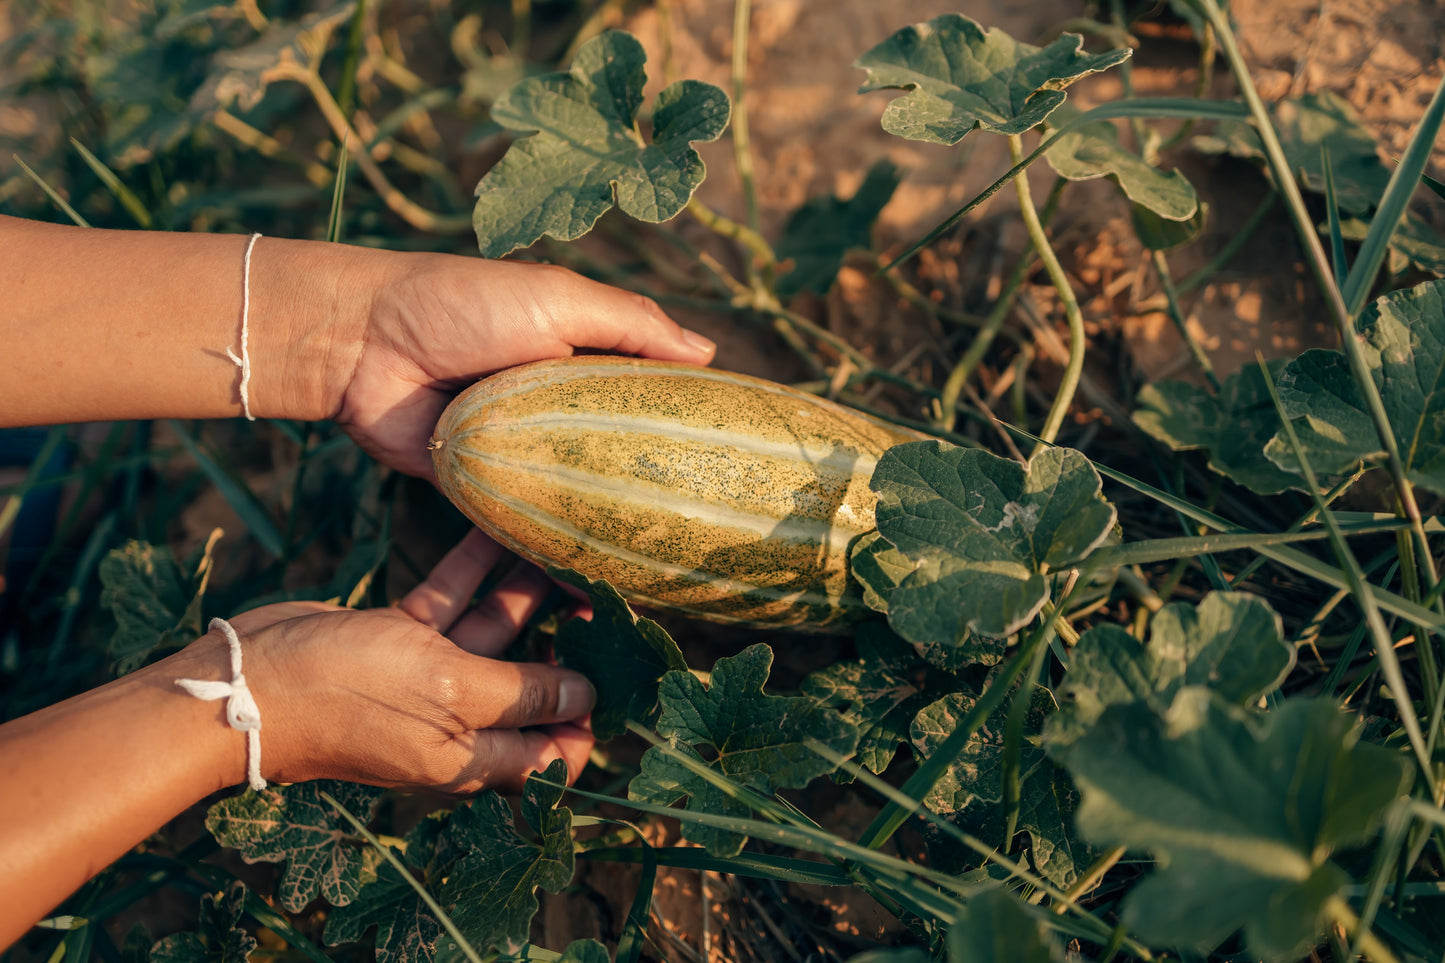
{"x": 1402, "y": 338}
{"x": 1231, "y": 643}
{"x": 821, "y": 233}
{"x": 490, "y": 889}
{"x": 753, "y": 739}
{"x": 624, "y": 656}
{"x": 959, "y": 77}
{"x": 1244, "y": 814}
{"x": 1305, "y": 124}
{"x": 1094, "y": 151}
{"x": 294, "y": 825}
{"x": 985, "y": 532}
{"x": 1233, "y": 426}
{"x": 583, "y": 152}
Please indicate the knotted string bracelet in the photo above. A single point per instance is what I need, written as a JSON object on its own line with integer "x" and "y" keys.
{"x": 242, "y": 713}
{"x": 244, "y": 360}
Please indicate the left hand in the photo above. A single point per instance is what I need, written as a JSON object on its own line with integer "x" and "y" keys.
{"x": 439, "y": 322}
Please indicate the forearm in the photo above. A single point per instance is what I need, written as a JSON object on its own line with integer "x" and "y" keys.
{"x": 103, "y": 325}
{"x": 91, "y": 777}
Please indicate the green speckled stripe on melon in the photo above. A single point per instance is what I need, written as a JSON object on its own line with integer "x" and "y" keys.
{"x": 725, "y": 598}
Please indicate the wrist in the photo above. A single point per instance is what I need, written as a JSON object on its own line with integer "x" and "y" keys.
{"x": 311, "y": 305}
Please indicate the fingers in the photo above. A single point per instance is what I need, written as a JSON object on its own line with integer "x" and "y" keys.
{"x": 596, "y": 315}
{"x": 491, "y": 626}
{"x": 448, "y": 588}
{"x": 486, "y": 694}
{"x": 504, "y": 758}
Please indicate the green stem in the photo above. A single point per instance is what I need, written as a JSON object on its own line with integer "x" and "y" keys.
{"x": 1018, "y": 712}
{"x": 742, "y": 152}
{"x": 1364, "y": 940}
{"x": 958, "y": 377}
{"x": 1233, "y": 246}
{"x": 756, "y": 244}
{"x": 1070, "y": 382}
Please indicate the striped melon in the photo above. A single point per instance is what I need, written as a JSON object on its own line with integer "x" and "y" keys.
{"x": 695, "y": 490}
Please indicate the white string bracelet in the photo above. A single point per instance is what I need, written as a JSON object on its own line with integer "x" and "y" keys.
{"x": 241, "y": 710}
{"x": 244, "y": 361}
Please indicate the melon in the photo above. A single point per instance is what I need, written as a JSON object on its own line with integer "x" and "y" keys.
{"x": 694, "y": 490}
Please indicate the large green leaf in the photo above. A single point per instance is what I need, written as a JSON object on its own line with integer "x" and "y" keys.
{"x": 1305, "y": 125}
{"x": 1402, "y": 337}
{"x": 821, "y": 233}
{"x": 585, "y": 153}
{"x": 1233, "y": 426}
{"x": 750, "y": 738}
{"x": 1232, "y": 643}
{"x": 880, "y": 692}
{"x": 1093, "y": 151}
{"x": 294, "y": 825}
{"x": 1243, "y": 814}
{"x": 156, "y": 601}
{"x": 958, "y": 77}
{"x": 490, "y": 889}
{"x": 1413, "y": 243}
{"x": 985, "y": 533}
{"x": 998, "y": 927}
{"x": 406, "y": 931}
{"x": 624, "y": 656}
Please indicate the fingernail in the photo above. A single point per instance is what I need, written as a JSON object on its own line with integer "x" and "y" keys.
{"x": 575, "y": 698}
{"x": 698, "y": 342}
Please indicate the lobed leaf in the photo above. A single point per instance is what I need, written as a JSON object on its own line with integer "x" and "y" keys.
{"x": 754, "y": 740}
{"x": 406, "y": 931}
{"x": 292, "y": 824}
{"x": 490, "y": 889}
{"x": 625, "y": 656}
{"x": 983, "y": 532}
{"x": 1243, "y": 814}
{"x": 1231, "y": 643}
{"x": 156, "y": 601}
{"x": 959, "y": 77}
{"x": 879, "y": 693}
{"x": 219, "y": 937}
{"x": 583, "y": 153}
{"x": 1402, "y": 337}
{"x": 1233, "y": 426}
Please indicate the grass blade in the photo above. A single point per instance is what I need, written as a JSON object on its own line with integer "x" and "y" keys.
{"x": 338, "y": 192}
{"x": 52, "y": 193}
{"x": 1168, "y": 549}
{"x": 237, "y": 493}
{"x": 1337, "y": 241}
{"x": 117, "y": 188}
{"x": 753, "y": 865}
{"x": 1388, "y": 215}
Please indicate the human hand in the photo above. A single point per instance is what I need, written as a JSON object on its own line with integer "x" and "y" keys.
{"x": 439, "y": 322}
{"x": 411, "y": 696}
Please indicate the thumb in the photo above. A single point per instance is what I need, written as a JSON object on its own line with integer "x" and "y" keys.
{"x": 515, "y": 695}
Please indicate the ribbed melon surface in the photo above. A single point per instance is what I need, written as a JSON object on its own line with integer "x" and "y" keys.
{"x": 701, "y": 491}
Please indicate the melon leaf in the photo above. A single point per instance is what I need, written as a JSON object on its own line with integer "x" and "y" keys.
{"x": 220, "y": 937}
{"x": 820, "y": 234}
{"x": 1403, "y": 341}
{"x": 1243, "y": 813}
{"x": 294, "y": 825}
{"x": 748, "y": 737}
{"x": 959, "y": 77}
{"x": 985, "y": 533}
{"x": 583, "y": 152}
{"x": 625, "y": 656}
